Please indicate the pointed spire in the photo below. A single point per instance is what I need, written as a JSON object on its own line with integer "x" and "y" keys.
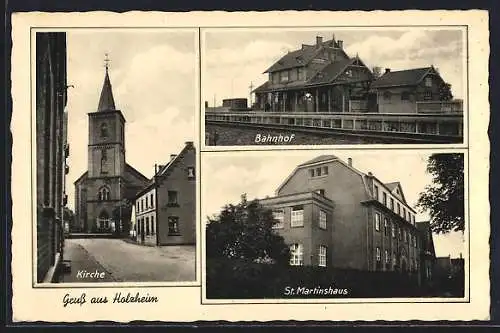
{"x": 106, "y": 102}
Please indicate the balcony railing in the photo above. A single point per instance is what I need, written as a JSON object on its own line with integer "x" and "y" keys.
{"x": 440, "y": 107}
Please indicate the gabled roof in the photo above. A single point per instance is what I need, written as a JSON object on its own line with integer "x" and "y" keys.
{"x": 165, "y": 168}
{"x": 321, "y": 158}
{"x": 408, "y": 77}
{"x": 396, "y": 185}
{"x": 133, "y": 170}
{"x": 81, "y": 177}
{"x": 301, "y": 57}
{"x": 106, "y": 101}
{"x": 331, "y": 71}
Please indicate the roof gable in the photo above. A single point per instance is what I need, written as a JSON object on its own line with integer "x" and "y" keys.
{"x": 397, "y": 190}
{"x": 408, "y": 77}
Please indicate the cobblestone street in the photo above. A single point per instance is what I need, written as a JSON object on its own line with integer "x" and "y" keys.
{"x": 123, "y": 261}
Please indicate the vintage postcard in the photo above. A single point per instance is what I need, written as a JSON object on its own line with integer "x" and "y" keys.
{"x": 211, "y": 166}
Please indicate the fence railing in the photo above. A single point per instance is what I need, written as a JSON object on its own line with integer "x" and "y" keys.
{"x": 440, "y": 107}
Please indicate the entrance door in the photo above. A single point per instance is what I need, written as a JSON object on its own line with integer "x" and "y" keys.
{"x": 142, "y": 232}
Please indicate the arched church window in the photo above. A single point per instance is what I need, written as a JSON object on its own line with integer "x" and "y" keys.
{"x": 104, "y": 161}
{"x": 104, "y": 130}
{"x": 103, "y": 194}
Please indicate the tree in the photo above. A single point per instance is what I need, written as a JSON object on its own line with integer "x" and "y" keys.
{"x": 244, "y": 231}
{"x": 122, "y": 211}
{"x": 444, "y": 198}
{"x": 445, "y": 92}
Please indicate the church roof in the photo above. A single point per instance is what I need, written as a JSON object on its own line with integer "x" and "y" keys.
{"x": 106, "y": 102}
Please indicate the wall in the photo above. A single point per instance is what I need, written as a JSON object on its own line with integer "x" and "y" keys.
{"x": 346, "y": 189}
{"x": 177, "y": 180}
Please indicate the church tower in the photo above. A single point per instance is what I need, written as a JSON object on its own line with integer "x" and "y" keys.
{"x": 109, "y": 179}
{"x": 106, "y": 155}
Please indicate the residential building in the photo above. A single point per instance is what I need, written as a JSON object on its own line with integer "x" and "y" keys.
{"x": 110, "y": 179}
{"x": 52, "y": 150}
{"x": 165, "y": 209}
{"x": 334, "y": 215}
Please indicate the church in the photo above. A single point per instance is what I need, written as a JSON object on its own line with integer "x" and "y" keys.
{"x": 109, "y": 180}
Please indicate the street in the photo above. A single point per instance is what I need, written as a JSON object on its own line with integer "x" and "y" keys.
{"x": 108, "y": 260}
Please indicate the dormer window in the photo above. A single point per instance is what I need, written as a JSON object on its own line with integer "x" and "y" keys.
{"x": 301, "y": 74}
{"x": 284, "y": 76}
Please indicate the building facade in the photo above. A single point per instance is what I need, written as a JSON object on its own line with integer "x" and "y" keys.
{"x": 332, "y": 214}
{"x": 51, "y": 152}
{"x": 109, "y": 179}
{"x": 165, "y": 209}
{"x": 427, "y": 253}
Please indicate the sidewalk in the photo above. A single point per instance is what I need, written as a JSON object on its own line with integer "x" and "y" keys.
{"x": 82, "y": 261}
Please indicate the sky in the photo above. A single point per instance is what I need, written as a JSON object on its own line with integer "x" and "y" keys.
{"x": 153, "y": 79}
{"x": 260, "y": 173}
{"x": 235, "y": 59}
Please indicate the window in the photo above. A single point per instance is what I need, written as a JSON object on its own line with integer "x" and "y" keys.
{"x": 325, "y": 170}
{"x": 387, "y": 95}
{"x": 301, "y": 73}
{"x": 103, "y": 194}
{"x": 321, "y": 192}
{"x": 394, "y": 231}
{"x": 104, "y": 161}
{"x": 104, "y": 130}
{"x": 399, "y": 209}
{"x": 413, "y": 218}
{"x": 392, "y": 204}
{"x": 322, "y": 219}
{"x": 399, "y": 233}
{"x": 172, "y": 198}
{"x": 405, "y": 96}
{"x": 151, "y": 200}
{"x": 428, "y": 81}
{"x": 404, "y": 235}
{"x": 297, "y": 217}
{"x": 284, "y": 76}
{"x": 297, "y": 254}
{"x": 384, "y": 198}
{"x": 387, "y": 258}
{"x": 375, "y": 187}
{"x": 322, "y": 256}
{"x": 404, "y": 213}
{"x": 414, "y": 241}
{"x": 427, "y": 95}
{"x": 152, "y": 225}
{"x": 173, "y": 225}
{"x": 190, "y": 172}
{"x": 394, "y": 258}
{"x": 142, "y": 204}
{"x": 279, "y": 215}
{"x": 311, "y": 172}
{"x": 386, "y": 226}
{"x": 318, "y": 172}
{"x": 137, "y": 206}
{"x": 377, "y": 253}
{"x": 147, "y": 226}
{"x": 377, "y": 221}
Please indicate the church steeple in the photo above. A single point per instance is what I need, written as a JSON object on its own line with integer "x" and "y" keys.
{"x": 106, "y": 102}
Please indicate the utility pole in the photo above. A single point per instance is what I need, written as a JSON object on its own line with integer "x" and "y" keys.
{"x": 214, "y": 101}
{"x": 251, "y": 89}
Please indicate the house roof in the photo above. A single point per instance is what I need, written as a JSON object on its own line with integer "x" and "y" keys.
{"x": 321, "y": 158}
{"x": 135, "y": 172}
{"x": 301, "y": 57}
{"x": 163, "y": 170}
{"x": 331, "y": 71}
{"x": 408, "y": 77}
{"x": 106, "y": 101}
{"x": 392, "y": 186}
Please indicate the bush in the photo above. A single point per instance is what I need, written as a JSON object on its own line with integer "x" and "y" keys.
{"x": 240, "y": 279}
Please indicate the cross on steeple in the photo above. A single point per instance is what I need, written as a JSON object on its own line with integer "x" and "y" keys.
{"x": 106, "y": 61}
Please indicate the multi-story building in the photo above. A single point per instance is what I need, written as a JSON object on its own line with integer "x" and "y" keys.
{"x": 165, "y": 209}
{"x": 110, "y": 179}
{"x": 51, "y": 151}
{"x": 332, "y": 214}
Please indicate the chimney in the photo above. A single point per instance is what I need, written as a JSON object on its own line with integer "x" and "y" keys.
{"x": 319, "y": 40}
{"x": 172, "y": 156}
{"x": 206, "y": 104}
{"x": 370, "y": 174}
{"x": 349, "y": 162}
{"x": 387, "y": 70}
{"x": 340, "y": 43}
{"x": 156, "y": 168}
